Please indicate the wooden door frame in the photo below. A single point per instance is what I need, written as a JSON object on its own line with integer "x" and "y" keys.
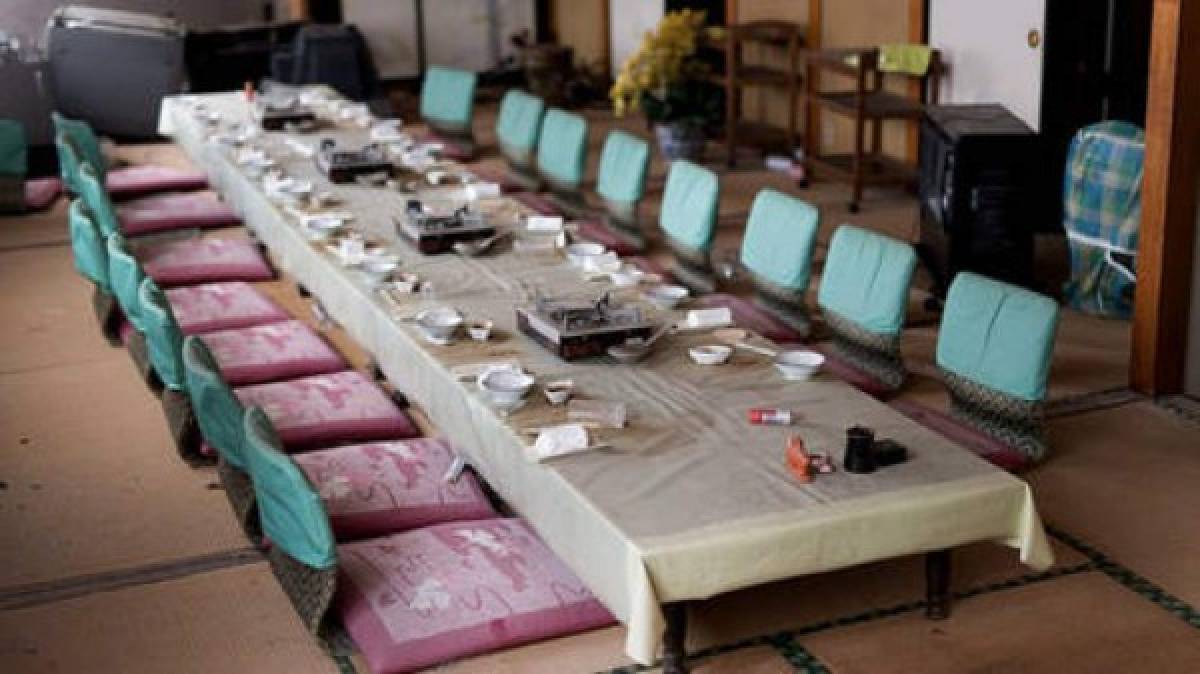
{"x": 1172, "y": 165}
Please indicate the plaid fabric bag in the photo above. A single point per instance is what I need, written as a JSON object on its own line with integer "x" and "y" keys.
{"x": 1102, "y": 213}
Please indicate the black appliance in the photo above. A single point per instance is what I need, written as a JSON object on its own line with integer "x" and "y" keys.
{"x": 978, "y": 167}
{"x": 225, "y": 58}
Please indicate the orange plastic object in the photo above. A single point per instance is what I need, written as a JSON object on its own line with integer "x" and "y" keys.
{"x": 798, "y": 460}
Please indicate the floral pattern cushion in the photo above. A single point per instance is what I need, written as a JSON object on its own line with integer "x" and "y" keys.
{"x": 133, "y": 181}
{"x": 272, "y": 352}
{"x": 221, "y": 306}
{"x": 203, "y": 260}
{"x": 749, "y": 315}
{"x": 419, "y": 598}
{"x": 329, "y": 409}
{"x": 165, "y": 212}
{"x": 382, "y": 488}
{"x": 989, "y": 448}
{"x": 41, "y": 192}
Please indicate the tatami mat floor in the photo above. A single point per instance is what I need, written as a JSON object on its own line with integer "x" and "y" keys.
{"x": 116, "y": 557}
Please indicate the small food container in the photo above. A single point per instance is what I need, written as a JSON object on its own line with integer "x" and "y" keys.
{"x": 711, "y": 354}
{"x": 799, "y": 365}
{"x": 480, "y": 331}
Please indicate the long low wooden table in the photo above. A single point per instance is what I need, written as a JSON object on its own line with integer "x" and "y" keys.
{"x": 691, "y": 501}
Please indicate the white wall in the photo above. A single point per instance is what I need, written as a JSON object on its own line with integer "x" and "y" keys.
{"x": 986, "y": 45}
{"x": 390, "y": 28}
{"x": 467, "y": 33}
{"x": 629, "y": 22}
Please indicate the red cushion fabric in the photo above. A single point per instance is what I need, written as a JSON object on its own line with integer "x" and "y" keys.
{"x": 749, "y": 315}
{"x": 986, "y": 446}
{"x": 135, "y": 181}
{"x": 383, "y": 488}
{"x": 165, "y": 212}
{"x": 41, "y": 192}
{"x": 852, "y": 375}
{"x": 419, "y": 598}
{"x": 594, "y": 230}
{"x": 221, "y": 306}
{"x": 272, "y": 352}
{"x": 537, "y": 203}
{"x": 329, "y": 409}
{"x": 203, "y": 260}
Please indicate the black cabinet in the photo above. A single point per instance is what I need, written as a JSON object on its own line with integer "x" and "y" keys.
{"x": 978, "y": 174}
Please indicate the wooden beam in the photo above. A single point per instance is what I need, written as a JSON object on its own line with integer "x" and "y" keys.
{"x": 814, "y": 38}
{"x": 1160, "y": 320}
{"x": 916, "y": 35}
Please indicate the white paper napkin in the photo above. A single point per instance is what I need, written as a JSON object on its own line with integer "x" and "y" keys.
{"x": 559, "y": 441}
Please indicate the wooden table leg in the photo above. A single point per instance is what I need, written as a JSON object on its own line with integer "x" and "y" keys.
{"x": 937, "y": 585}
{"x": 674, "y": 650}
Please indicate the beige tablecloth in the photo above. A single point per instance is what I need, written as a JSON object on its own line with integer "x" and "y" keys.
{"x": 692, "y": 501}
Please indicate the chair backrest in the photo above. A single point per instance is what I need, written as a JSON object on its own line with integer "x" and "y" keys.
{"x": 866, "y": 279}
{"x": 88, "y": 247}
{"x": 562, "y": 149}
{"x": 519, "y": 123}
{"x": 623, "y": 165}
{"x": 290, "y": 509}
{"x": 998, "y": 335}
{"x": 448, "y": 97}
{"x": 164, "y": 339}
{"x": 689, "y": 206}
{"x": 13, "y": 149}
{"x": 218, "y": 410}
{"x": 91, "y": 190}
{"x": 779, "y": 240}
{"x": 125, "y": 276}
{"x": 85, "y": 141}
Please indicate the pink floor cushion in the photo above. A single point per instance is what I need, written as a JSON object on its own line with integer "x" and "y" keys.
{"x": 135, "y": 181}
{"x": 537, "y": 203}
{"x": 977, "y": 441}
{"x": 163, "y": 212}
{"x": 852, "y": 375}
{"x": 41, "y": 192}
{"x": 383, "y": 488}
{"x": 272, "y": 352}
{"x": 329, "y": 409}
{"x": 423, "y": 597}
{"x": 221, "y": 306}
{"x": 204, "y": 260}
{"x": 594, "y": 230}
{"x": 750, "y": 316}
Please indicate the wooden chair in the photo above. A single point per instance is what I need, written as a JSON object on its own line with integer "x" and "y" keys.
{"x": 740, "y": 76}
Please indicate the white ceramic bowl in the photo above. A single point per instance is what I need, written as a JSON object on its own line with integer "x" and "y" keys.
{"x": 505, "y": 386}
{"x": 665, "y": 296}
{"x": 578, "y": 253}
{"x": 480, "y": 331}
{"x": 381, "y": 263}
{"x": 440, "y": 324}
{"x": 799, "y": 365}
{"x": 558, "y": 393}
{"x": 711, "y": 354}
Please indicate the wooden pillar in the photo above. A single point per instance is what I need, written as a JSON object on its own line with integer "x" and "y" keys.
{"x": 297, "y": 9}
{"x": 1160, "y": 319}
{"x": 917, "y": 35}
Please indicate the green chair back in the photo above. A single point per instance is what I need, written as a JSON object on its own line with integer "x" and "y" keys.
{"x": 91, "y": 189}
{"x": 448, "y": 98}
{"x": 689, "y": 207}
{"x": 125, "y": 276}
{"x": 562, "y": 149}
{"x": 289, "y": 508}
{"x": 998, "y": 335}
{"x": 518, "y": 125}
{"x": 866, "y": 279}
{"x": 779, "y": 240}
{"x": 88, "y": 247}
{"x": 623, "y": 165}
{"x": 86, "y": 144}
{"x": 14, "y": 159}
{"x": 218, "y": 410}
{"x": 164, "y": 339}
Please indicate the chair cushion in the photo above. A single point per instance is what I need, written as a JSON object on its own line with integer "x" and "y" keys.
{"x": 329, "y": 409}
{"x": 174, "y": 211}
{"x": 537, "y": 203}
{"x": 383, "y": 488}
{"x": 41, "y": 192}
{"x": 998, "y": 453}
{"x": 562, "y": 150}
{"x": 203, "y": 260}
{"x": 623, "y": 163}
{"x": 594, "y": 230}
{"x": 448, "y": 97}
{"x": 422, "y": 597}
{"x": 135, "y": 181}
{"x": 854, "y": 376}
{"x": 519, "y": 121}
{"x": 689, "y": 207}
{"x": 780, "y": 235}
{"x": 221, "y": 306}
{"x": 866, "y": 279}
{"x": 272, "y": 352}
{"x": 998, "y": 335}
{"x": 751, "y": 316}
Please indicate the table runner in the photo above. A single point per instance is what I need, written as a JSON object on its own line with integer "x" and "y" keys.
{"x": 691, "y": 501}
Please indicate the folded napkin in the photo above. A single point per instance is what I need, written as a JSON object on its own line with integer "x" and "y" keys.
{"x": 559, "y": 441}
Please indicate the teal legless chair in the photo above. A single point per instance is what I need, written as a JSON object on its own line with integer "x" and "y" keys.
{"x": 164, "y": 346}
{"x": 125, "y": 276}
{"x": 994, "y": 351}
{"x": 517, "y": 131}
{"x": 864, "y": 300}
{"x": 688, "y": 219}
{"x": 448, "y": 107}
{"x": 562, "y": 157}
{"x": 620, "y": 184}
{"x": 18, "y": 193}
{"x": 90, "y": 252}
